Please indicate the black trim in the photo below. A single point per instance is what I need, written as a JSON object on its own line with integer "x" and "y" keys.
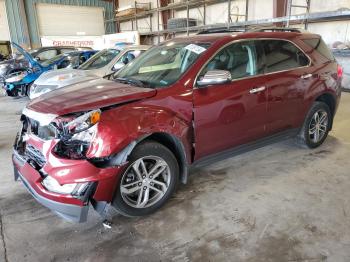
{"x": 207, "y": 160}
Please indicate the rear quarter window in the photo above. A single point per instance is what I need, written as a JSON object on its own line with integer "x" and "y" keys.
{"x": 320, "y": 46}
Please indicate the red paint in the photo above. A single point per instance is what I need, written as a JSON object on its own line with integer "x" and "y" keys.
{"x": 224, "y": 116}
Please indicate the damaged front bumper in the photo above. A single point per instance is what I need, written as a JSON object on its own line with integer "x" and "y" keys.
{"x": 71, "y": 212}
{"x": 34, "y": 160}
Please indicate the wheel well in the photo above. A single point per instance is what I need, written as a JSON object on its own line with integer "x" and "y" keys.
{"x": 175, "y": 146}
{"x": 329, "y": 100}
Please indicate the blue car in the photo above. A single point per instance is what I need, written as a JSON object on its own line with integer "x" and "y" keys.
{"x": 18, "y": 83}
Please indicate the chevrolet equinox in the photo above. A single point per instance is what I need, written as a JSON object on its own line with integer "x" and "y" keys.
{"x": 128, "y": 141}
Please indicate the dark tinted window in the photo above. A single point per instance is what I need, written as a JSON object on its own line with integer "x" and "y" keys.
{"x": 282, "y": 55}
{"x": 241, "y": 59}
{"x": 320, "y": 46}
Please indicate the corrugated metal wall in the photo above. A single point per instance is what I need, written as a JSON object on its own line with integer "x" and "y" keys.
{"x": 17, "y": 22}
{"x": 23, "y": 21}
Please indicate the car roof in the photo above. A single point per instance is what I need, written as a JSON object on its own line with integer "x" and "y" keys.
{"x": 131, "y": 47}
{"x": 226, "y": 37}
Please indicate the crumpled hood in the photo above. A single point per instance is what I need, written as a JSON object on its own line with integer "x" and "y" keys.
{"x": 88, "y": 95}
{"x": 63, "y": 77}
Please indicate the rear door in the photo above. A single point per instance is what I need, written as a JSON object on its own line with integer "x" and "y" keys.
{"x": 288, "y": 76}
{"x": 233, "y": 113}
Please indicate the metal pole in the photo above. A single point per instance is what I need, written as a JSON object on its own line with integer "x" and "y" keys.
{"x": 290, "y": 3}
{"x": 136, "y": 16}
{"x": 158, "y": 21}
{"x": 308, "y": 3}
{"x": 188, "y": 17}
{"x": 228, "y": 13}
{"x": 204, "y": 13}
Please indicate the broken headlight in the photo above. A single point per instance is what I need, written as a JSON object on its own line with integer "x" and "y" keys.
{"x": 77, "y": 135}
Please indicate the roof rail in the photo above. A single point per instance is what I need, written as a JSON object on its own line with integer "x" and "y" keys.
{"x": 276, "y": 29}
{"x": 222, "y": 30}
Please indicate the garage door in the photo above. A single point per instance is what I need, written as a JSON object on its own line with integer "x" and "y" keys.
{"x": 68, "y": 20}
{"x": 4, "y": 27}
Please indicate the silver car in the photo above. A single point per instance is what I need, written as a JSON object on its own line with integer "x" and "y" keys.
{"x": 102, "y": 64}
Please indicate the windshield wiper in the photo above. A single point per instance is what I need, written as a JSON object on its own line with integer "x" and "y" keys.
{"x": 132, "y": 81}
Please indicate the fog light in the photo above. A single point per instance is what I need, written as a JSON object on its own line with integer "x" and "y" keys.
{"x": 52, "y": 185}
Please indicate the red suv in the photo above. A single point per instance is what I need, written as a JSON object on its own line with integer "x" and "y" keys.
{"x": 128, "y": 141}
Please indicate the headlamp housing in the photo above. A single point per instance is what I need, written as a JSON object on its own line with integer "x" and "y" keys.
{"x": 77, "y": 134}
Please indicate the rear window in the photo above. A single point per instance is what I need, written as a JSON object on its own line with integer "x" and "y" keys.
{"x": 282, "y": 55}
{"x": 320, "y": 46}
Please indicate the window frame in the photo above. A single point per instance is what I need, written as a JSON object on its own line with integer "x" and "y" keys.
{"x": 195, "y": 86}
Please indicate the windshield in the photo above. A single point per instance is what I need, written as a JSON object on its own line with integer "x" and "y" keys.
{"x": 162, "y": 65}
{"x": 100, "y": 59}
{"x": 52, "y": 60}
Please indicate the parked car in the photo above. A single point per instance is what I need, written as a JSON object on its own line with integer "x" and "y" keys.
{"x": 104, "y": 63}
{"x": 186, "y": 102}
{"x": 19, "y": 83}
{"x": 19, "y": 62}
{"x": 343, "y": 58}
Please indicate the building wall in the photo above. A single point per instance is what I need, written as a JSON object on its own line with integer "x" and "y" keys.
{"x": 257, "y": 9}
{"x": 23, "y": 24}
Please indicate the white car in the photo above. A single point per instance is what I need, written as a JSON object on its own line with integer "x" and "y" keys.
{"x": 104, "y": 63}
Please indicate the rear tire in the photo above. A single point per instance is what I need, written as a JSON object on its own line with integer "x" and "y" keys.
{"x": 149, "y": 180}
{"x": 316, "y": 126}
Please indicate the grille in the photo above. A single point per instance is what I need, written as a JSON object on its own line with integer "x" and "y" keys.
{"x": 34, "y": 154}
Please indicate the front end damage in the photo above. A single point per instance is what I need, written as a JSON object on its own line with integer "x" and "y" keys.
{"x": 54, "y": 169}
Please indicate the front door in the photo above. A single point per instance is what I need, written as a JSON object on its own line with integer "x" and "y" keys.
{"x": 231, "y": 113}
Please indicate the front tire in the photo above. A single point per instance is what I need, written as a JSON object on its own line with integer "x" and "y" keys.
{"x": 149, "y": 180}
{"x": 316, "y": 126}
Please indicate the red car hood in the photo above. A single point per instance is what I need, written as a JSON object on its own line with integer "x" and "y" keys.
{"x": 88, "y": 95}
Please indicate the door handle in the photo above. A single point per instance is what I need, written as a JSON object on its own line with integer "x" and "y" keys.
{"x": 306, "y": 76}
{"x": 257, "y": 90}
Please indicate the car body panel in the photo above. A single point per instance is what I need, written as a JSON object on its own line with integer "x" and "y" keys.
{"x": 36, "y": 68}
{"x": 89, "y": 95}
{"x": 205, "y": 121}
{"x": 61, "y": 78}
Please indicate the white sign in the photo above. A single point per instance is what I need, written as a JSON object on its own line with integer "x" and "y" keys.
{"x": 195, "y": 48}
{"x": 95, "y": 42}
{"x": 77, "y": 41}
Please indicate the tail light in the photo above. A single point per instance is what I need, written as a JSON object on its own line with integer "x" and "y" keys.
{"x": 340, "y": 71}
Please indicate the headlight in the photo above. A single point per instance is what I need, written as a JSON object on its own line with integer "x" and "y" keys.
{"x": 83, "y": 122}
{"x": 16, "y": 78}
{"x": 77, "y": 135}
{"x": 52, "y": 185}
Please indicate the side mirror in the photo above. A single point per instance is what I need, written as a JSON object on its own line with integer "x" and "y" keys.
{"x": 215, "y": 77}
{"x": 117, "y": 66}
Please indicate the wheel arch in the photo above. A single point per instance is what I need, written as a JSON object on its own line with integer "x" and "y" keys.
{"x": 175, "y": 146}
{"x": 330, "y": 101}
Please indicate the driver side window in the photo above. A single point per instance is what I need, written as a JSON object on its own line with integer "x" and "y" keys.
{"x": 240, "y": 59}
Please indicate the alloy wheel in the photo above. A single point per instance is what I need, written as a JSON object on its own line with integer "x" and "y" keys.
{"x": 318, "y": 126}
{"x": 145, "y": 182}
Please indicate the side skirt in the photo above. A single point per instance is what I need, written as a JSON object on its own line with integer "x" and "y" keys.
{"x": 238, "y": 150}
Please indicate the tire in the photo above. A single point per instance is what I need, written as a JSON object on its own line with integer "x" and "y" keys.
{"x": 307, "y": 137}
{"x": 132, "y": 183}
